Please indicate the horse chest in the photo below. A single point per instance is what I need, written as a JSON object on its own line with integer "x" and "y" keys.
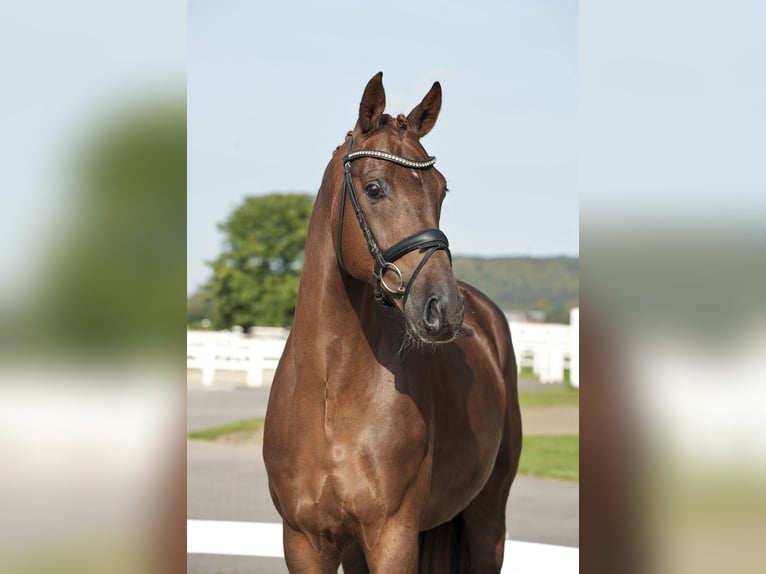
{"x": 353, "y": 476}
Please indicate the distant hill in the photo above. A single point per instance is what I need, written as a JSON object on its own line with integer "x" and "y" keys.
{"x": 550, "y": 284}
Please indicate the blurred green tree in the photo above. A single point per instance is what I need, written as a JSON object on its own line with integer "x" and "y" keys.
{"x": 255, "y": 279}
{"x": 199, "y": 307}
{"x": 117, "y": 267}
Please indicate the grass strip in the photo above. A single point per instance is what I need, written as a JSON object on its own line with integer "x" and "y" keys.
{"x": 553, "y": 397}
{"x": 546, "y": 456}
{"x": 212, "y": 433}
{"x": 551, "y": 456}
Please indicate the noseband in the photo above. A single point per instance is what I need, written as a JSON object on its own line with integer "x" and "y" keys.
{"x": 429, "y": 240}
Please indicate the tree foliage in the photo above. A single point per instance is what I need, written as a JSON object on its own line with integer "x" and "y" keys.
{"x": 255, "y": 279}
{"x": 116, "y": 268}
{"x": 199, "y": 307}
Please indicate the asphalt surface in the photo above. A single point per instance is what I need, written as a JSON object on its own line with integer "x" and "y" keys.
{"x": 207, "y": 407}
{"x": 228, "y": 482}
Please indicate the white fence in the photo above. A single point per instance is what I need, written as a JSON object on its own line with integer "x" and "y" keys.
{"x": 236, "y": 358}
{"x": 233, "y": 357}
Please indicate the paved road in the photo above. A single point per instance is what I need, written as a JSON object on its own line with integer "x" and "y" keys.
{"x": 228, "y": 482}
{"x": 211, "y": 407}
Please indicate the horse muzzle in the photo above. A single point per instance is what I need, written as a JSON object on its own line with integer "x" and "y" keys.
{"x": 436, "y": 316}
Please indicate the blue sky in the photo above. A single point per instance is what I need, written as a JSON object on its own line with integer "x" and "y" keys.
{"x": 672, "y": 109}
{"x": 273, "y": 88}
{"x": 67, "y": 68}
{"x": 649, "y": 111}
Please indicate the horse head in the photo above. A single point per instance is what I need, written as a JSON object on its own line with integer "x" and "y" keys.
{"x": 388, "y": 235}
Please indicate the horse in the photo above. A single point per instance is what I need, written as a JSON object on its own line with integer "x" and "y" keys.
{"x": 393, "y": 432}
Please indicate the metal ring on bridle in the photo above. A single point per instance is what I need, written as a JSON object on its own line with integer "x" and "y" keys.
{"x": 401, "y": 289}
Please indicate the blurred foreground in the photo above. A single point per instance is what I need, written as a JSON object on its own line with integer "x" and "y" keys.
{"x": 673, "y": 437}
{"x": 92, "y": 297}
{"x": 673, "y": 205}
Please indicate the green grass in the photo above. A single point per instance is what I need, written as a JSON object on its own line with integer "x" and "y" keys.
{"x": 554, "y": 397}
{"x": 551, "y": 456}
{"x": 547, "y": 456}
{"x": 250, "y": 425}
{"x": 527, "y": 374}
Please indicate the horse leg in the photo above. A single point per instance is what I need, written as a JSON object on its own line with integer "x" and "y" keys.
{"x": 484, "y": 533}
{"x": 304, "y": 558}
{"x": 396, "y": 552}
{"x": 484, "y": 518}
{"x": 354, "y": 561}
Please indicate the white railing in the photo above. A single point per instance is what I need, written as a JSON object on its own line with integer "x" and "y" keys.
{"x": 234, "y": 357}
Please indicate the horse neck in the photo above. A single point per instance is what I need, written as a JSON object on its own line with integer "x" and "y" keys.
{"x": 331, "y": 306}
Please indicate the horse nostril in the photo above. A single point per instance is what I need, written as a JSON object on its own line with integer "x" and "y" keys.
{"x": 432, "y": 314}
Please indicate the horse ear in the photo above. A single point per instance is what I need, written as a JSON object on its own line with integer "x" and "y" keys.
{"x": 373, "y": 103}
{"x": 423, "y": 117}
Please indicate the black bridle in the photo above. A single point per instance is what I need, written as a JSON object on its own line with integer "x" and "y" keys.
{"x": 430, "y": 240}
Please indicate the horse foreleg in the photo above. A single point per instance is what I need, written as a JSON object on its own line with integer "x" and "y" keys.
{"x": 484, "y": 518}
{"x": 484, "y": 523}
{"x": 354, "y": 561}
{"x": 484, "y": 534}
{"x": 306, "y": 555}
{"x": 396, "y": 552}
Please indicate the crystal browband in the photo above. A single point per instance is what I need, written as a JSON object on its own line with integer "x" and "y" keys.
{"x": 415, "y": 164}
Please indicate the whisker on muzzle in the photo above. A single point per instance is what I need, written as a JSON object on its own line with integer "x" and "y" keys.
{"x": 464, "y": 331}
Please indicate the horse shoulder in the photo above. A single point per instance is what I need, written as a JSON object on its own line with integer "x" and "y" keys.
{"x": 491, "y": 324}
{"x": 488, "y": 323}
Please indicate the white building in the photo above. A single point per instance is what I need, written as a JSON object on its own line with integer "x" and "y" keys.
{"x": 574, "y": 347}
{"x": 548, "y": 349}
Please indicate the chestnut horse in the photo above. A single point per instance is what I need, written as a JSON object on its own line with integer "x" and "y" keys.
{"x": 393, "y": 430}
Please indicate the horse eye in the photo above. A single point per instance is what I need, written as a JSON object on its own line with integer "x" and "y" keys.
{"x": 373, "y": 190}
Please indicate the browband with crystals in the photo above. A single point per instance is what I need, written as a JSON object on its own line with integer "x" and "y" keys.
{"x": 415, "y": 164}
